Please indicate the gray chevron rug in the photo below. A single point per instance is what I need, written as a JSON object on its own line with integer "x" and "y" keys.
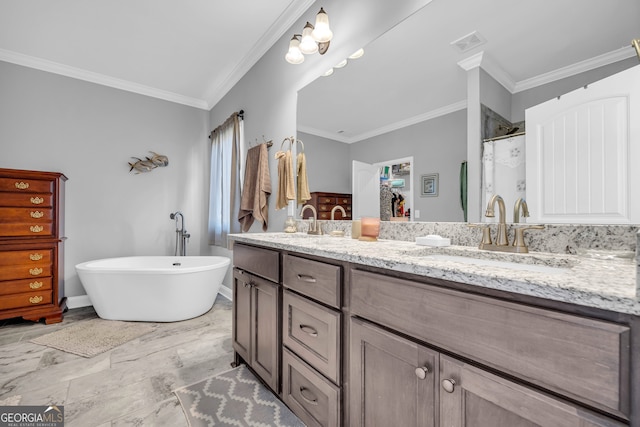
{"x": 234, "y": 398}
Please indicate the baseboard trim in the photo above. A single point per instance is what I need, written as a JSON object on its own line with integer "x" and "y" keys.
{"x": 79, "y": 301}
{"x": 226, "y": 292}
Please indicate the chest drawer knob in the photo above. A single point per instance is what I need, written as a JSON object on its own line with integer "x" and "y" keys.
{"x": 35, "y": 271}
{"x": 422, "y": 371}
{"x": 310, "y": 330}
{"x": 36, "y": 228}
{"x": 35, "y": 300}
{"x": 36, "y": 214}
{"x": 309, "y": 398}
{"x": 35, "y": 285}
{"x": 306, "y": 278}
{"x": 37, "y": 200}
{"x": 449, "y": 385}
{"x": 22, "y": 185}
{"x": 35, "y": 257}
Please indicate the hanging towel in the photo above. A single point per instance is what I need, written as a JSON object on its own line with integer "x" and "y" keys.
{"x": 303, "y": 181}
{"x": 286, "y": 191}
{"x": 254, "y": 204}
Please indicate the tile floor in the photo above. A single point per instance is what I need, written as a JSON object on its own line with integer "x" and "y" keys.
{"x": 131, "y": 385}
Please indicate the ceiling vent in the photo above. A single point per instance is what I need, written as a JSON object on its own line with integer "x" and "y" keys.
{"x": 468, "y": 42}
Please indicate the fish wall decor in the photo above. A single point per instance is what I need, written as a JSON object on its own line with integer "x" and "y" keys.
{"x": 149, "y": 163}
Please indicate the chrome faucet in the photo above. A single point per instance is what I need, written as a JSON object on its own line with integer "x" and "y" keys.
{"x": 313, "y": 226}
{"x": 501, "y": 235}
{"x": 181, "y": 234}
{"x": 520, "y": 204}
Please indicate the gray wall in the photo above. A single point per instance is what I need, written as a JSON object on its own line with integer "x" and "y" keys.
{"x": 89, "y": 132}
{"x": 438, "y": 146}
{"x": 328, "y": 164}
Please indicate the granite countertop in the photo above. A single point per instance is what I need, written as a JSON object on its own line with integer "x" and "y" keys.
{"x": 605, "y": 280}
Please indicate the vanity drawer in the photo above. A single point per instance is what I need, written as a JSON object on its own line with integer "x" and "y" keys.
{"x": 314, "y": 279}
{"x": 25, "y": 185}
{"x": 314, "y": 399}
{"x": 260, "y": 261}
{"x": 25, "y": 285}
{"x": 312, "y": 331}
{"x": 25, "y": 300}
{"x": 582, "y": 358}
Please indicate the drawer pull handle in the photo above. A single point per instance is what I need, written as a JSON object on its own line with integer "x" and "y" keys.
{"x": 312, "y": 400}
{"x": 249, "y": 284}
{"x": 35, "y": 271}
{"x": 449, "y": 385}
{"x": 306, "y": 278}
{"x": 35, "y": 300}
{"x": 36, "y": 228}
{"x": 309, "y": 330}
{"x": 35, "y": 285}
{"x": 35, "y": 257}
{"x": 22, "y": 185}
{"x": 422, "y": 371}
{"x": 37, "y": 200}
{"x": 36, "y": 214}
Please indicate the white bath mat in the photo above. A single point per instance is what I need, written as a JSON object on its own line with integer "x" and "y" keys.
{"x": 94, "y": 336}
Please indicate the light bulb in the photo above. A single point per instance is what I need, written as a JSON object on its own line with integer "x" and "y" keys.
{"x": 357, "y": 54}
{"x": 322, "y": 33}
{"x": 328, "y": 72}
{"x": 340, "y": 64}
{"x": 294, "y": 55}
{"x": 308, "y": 45}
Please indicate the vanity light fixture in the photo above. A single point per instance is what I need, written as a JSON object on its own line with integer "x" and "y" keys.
{"x": 355, "y": 55}
{"x": 636, "y": 44}
{"x": 313, "y": 39}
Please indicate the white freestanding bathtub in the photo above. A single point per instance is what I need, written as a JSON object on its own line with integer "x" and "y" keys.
{"x": 153, "y": 288}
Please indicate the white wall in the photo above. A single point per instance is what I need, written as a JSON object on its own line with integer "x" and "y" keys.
{"x": 89, "y": 132}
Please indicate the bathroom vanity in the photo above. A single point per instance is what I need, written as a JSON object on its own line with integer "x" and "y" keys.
{"x": 31, "y": 245}
{"x": 391, "y": 333}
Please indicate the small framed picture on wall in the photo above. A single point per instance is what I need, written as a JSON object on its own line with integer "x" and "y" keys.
{"x": 429, "y": 185}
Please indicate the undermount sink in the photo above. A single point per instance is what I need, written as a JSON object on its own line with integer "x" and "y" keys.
{"x": 533, "y": 262}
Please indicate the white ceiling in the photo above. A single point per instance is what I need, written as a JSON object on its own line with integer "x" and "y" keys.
{"x": 412, "y": 72}
{"x": 187, "y": 51}
{"x": 193, "y": 51}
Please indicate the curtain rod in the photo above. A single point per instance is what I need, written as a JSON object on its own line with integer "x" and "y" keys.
{"x": 239, "y": 113}
{"x": 497, "y": 138}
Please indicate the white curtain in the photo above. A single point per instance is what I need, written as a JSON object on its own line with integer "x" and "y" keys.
{"x": 227, "y": 144}
{"x": 503, "y": 173}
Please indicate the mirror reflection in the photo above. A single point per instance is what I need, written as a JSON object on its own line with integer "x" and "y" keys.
{"x": 415, "y": 93}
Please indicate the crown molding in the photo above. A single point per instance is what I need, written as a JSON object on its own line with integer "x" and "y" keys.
{"x": 388, "y": 128}
{"x": 101, "y": 79}
{"x": 471, "y": 62}
{"x": 285, "y": 21}
{"x": 577, "y": 68}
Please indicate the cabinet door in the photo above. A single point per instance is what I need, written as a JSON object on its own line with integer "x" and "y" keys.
{"x": 472, "y": 397}
{"x": 393, "y": 380}
{"x": 265, "y": 342}
{"x": 241, "y": 330}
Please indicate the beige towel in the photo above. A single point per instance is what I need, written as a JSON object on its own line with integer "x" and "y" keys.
{"x": 303, "y": 181}
{"x": 286, "y": 191}
{"x": 254, "y": 204}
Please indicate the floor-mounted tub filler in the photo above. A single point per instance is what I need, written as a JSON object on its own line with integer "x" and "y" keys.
{"x": 153, "y": 288}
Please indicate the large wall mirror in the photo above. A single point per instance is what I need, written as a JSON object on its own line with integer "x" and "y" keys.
{"x": 407, "y": 95}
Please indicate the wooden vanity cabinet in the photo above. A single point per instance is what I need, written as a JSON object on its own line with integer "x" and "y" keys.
{"x": 256, "y": 311}
{"x": 525, "y": 366}
{"x": 31, "y": 245}
{"x": 311, "y": 338}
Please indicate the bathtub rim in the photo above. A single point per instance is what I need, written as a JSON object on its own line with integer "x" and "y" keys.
{"x": 89, "y": 267}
